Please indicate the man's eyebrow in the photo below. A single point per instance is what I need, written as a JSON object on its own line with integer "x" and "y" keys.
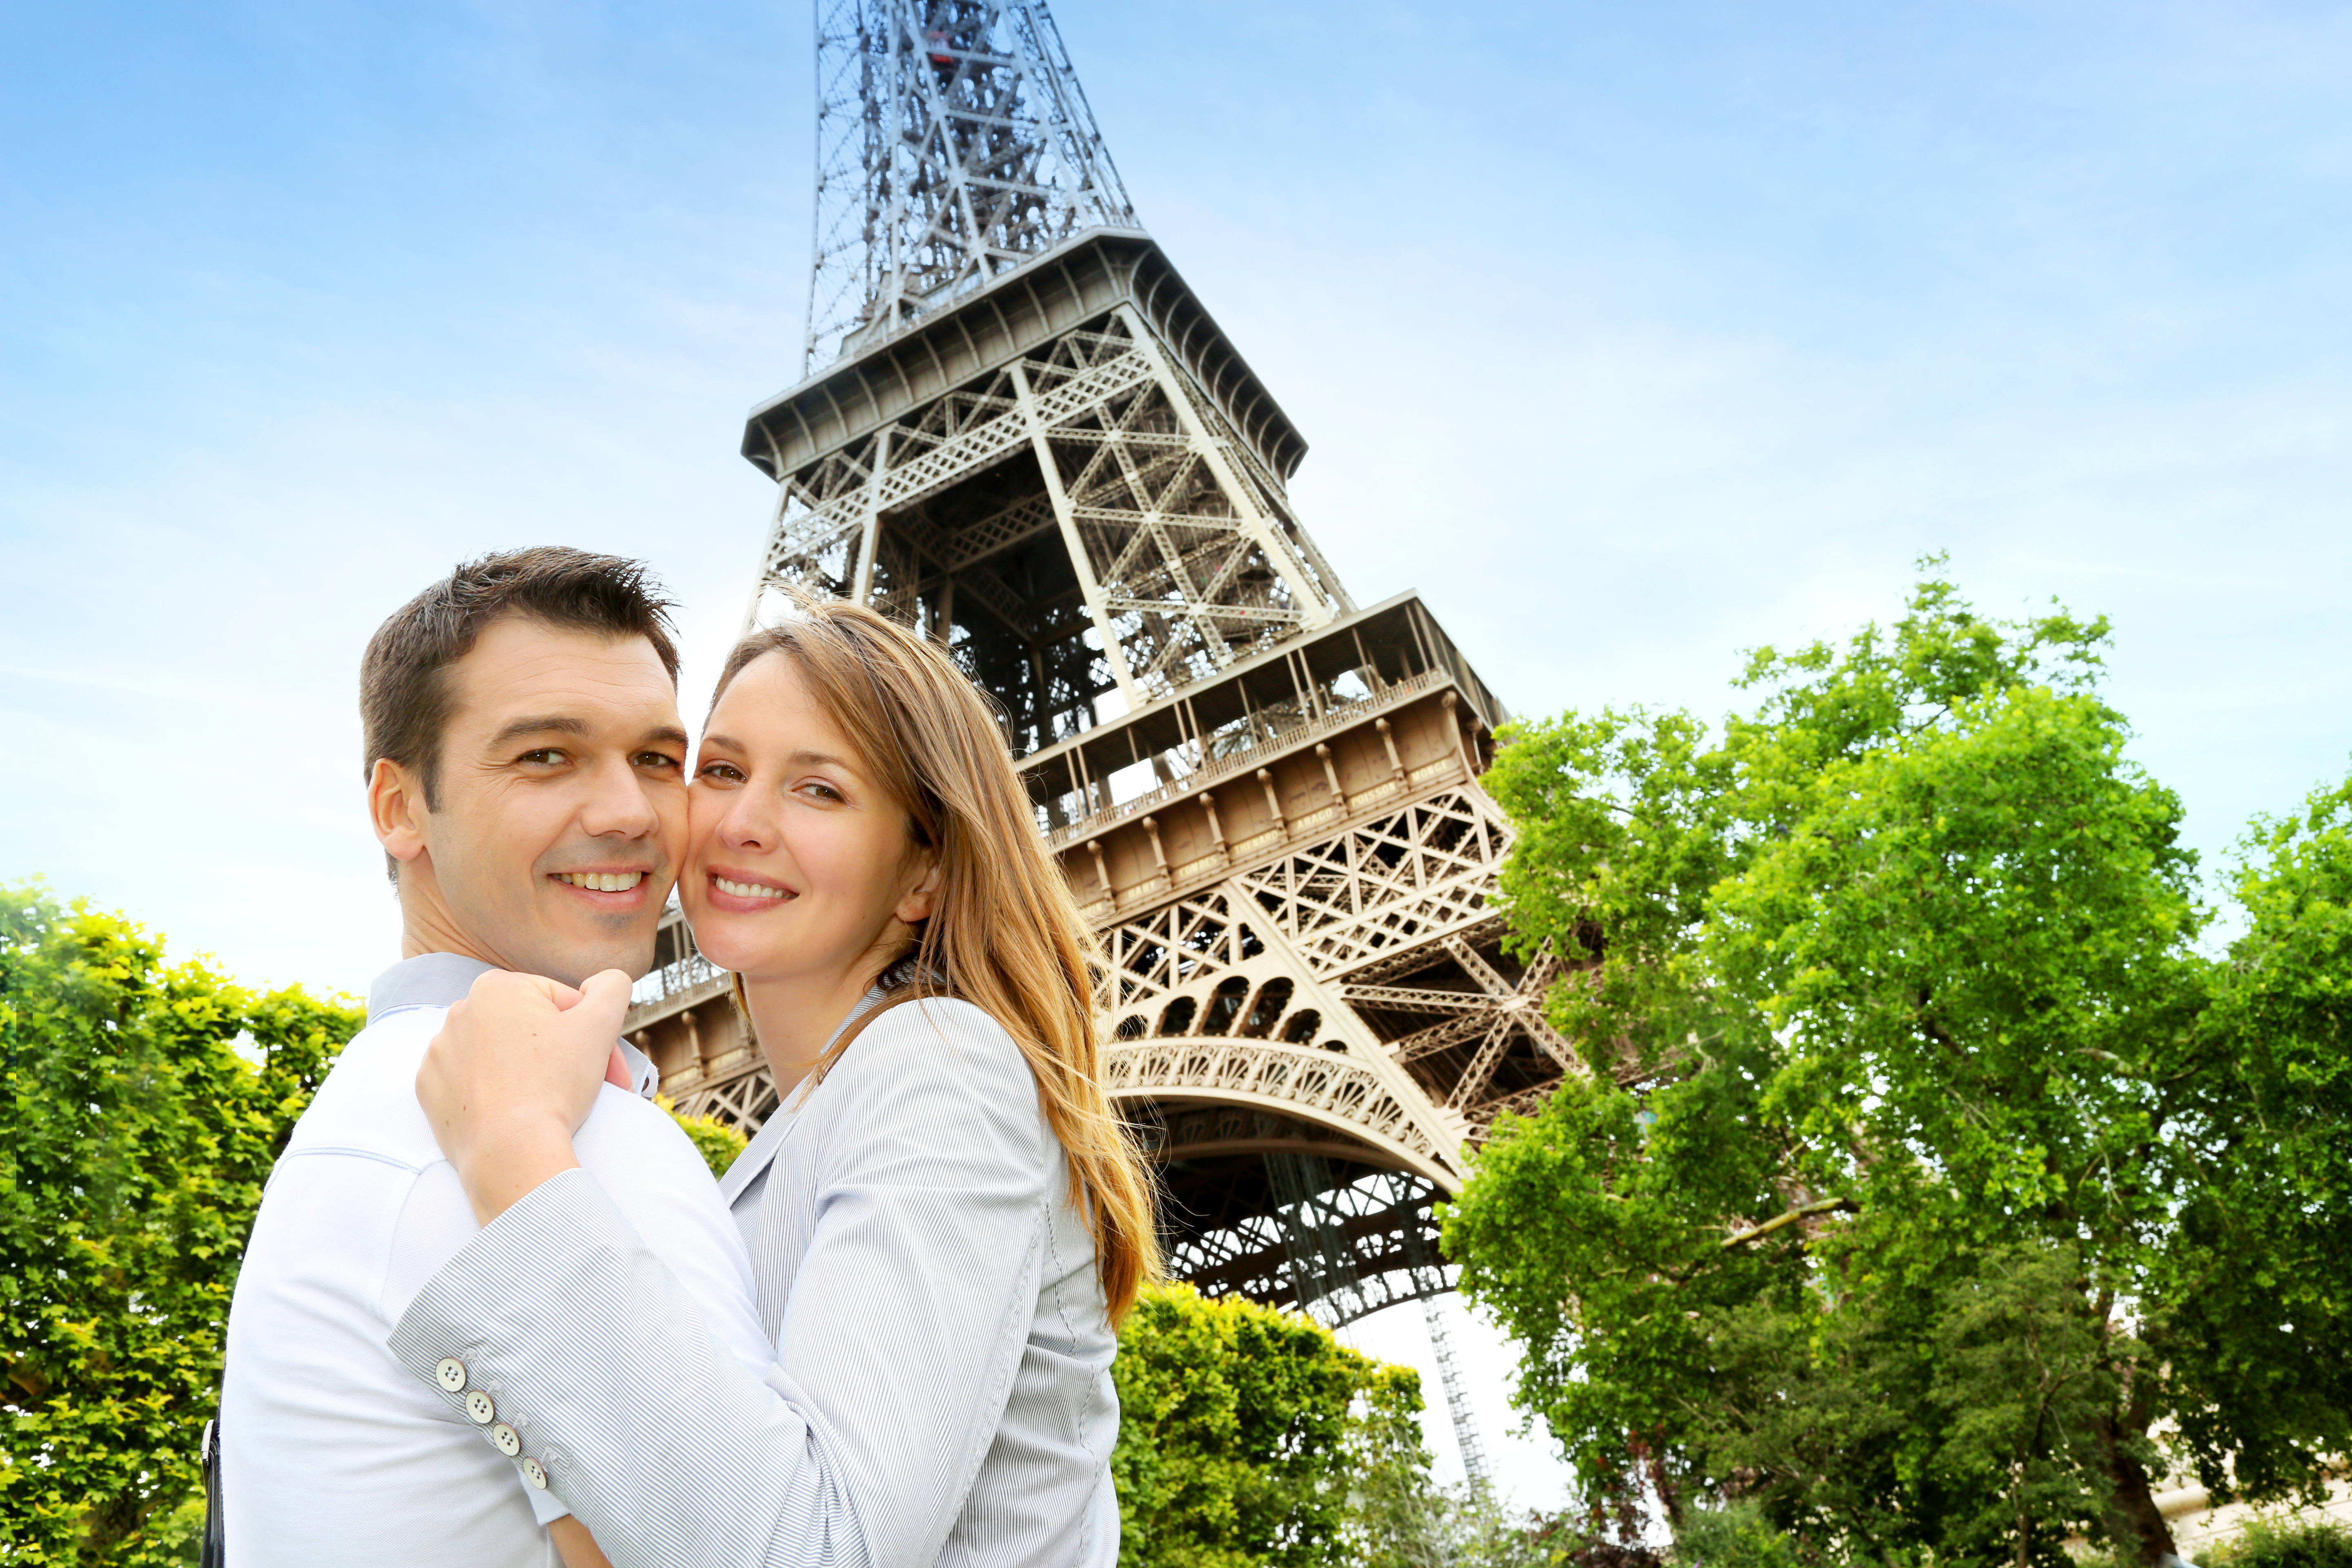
{"x": 668, "y": 734}
{"x": 538, "y": 725}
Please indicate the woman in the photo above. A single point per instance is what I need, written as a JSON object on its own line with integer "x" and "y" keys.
{"x": 945, "y": 1218}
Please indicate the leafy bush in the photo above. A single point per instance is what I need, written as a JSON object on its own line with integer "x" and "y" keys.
{"x": 717, "y": 1143}
{"x": 1251, "y": 1436}
{"x": 2282, "y": 1544}
{"x": 144, "y": 1105}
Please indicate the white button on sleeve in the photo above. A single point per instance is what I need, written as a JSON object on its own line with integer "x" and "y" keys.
{"x": 451, "y": 1374}
{"x": 534, "y": 1474}
{"x": 509, "y": 1440}
{"x": 479, "y": 1408}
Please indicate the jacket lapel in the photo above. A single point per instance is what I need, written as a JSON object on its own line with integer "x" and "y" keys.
{"x": 759, "y": 1154}
{"x": 762, "y": 1149}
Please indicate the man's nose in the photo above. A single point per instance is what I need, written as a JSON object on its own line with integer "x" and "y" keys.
{"x": 618, "y": 806}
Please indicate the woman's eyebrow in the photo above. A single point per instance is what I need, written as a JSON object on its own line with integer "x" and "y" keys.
{"x": 797, "y": 759}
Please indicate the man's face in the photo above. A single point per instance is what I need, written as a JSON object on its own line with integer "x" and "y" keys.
{"x": 562, "y": 804}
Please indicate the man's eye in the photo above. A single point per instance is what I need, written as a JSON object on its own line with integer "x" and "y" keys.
{"x": 656, "y": 759}
{"x": 546, "y": 756}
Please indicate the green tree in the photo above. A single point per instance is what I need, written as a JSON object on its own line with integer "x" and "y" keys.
{"x": 1903, "y": 1197}
{"x": 2257, "y": 1301}
{"x": 1250, "y": 1436}
{"x": 145, "y": 1105}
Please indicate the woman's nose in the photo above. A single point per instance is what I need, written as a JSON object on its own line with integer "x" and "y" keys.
{"x": 745, "y": 826}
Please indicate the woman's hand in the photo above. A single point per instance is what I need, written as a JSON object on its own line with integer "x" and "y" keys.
{"x": 513, "y": 1073}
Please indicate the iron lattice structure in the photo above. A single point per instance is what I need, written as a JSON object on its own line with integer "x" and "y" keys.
{"x": 952, "y": 143}
{"x": 1020, "y": 431}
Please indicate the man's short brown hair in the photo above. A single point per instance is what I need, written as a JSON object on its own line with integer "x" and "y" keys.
{"x": 404, "y": 696}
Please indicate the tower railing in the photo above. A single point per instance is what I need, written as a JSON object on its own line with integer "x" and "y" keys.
{"x": 1246, "y": 750}
{"x": 671, "y": 981}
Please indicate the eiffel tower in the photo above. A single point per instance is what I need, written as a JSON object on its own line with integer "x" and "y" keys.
{"x": 1019, "y": 430}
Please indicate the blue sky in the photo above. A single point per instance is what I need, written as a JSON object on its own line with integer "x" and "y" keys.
{"x": 1633, "y": 336}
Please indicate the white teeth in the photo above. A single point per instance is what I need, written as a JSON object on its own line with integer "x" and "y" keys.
{"x": 602, "y": 881}
{"x": 746, "y": 889}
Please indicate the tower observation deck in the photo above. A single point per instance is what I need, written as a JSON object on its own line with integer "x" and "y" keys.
{"x": 1019, "y": 430}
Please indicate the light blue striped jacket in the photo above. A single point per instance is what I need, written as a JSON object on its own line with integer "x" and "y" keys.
{"x": 941, "y": 1393}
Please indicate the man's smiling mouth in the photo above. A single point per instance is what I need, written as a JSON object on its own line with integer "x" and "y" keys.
{"x": 602, "y": 882}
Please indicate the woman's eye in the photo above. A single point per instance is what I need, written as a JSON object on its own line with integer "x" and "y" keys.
{"x": 724, "y": 771}
{"x": 822, "y": 790}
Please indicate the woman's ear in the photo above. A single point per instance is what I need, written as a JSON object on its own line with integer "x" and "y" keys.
{"x": 922, "y": 895}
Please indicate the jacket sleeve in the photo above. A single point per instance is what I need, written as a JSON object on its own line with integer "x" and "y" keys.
{"x": 904, "y": 1324}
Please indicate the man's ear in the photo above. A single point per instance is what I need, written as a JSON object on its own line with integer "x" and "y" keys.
{"x": 397, "y": 809}
{"x": 922, "y": 897}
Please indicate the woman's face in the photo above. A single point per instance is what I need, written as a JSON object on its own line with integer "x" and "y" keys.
{"x": 798, "y": 863}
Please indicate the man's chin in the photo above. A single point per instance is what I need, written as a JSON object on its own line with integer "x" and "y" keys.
{"x": 594, "y": 949}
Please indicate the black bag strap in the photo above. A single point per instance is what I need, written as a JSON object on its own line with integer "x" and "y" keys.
{"x": 215, "y": 1554}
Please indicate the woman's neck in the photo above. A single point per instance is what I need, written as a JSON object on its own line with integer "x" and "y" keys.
{"x": 796, "y": 1016}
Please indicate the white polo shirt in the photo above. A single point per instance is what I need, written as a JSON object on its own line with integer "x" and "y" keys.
{"x": 331, "y": 1451}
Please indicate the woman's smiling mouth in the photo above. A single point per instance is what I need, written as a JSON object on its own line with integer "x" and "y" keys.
{"x": 748, "y": 890}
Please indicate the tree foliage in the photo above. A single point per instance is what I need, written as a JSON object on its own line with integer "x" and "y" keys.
{"x": 1927, "y": 1163}
{"x": 2260, "y": 1301}
{"x": 1250, "y": 1436}
{"x": 145, "y": 1105}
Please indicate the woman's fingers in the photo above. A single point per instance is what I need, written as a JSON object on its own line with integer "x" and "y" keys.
{"x": 605, "y": 992}
{"x": 606, "y": 995}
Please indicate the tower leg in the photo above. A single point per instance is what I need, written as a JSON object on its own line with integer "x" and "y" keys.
{"x": 1322, "y": 1263}
{"x": 1430, "y": 1281}
{"x": 1457, "y": 1394}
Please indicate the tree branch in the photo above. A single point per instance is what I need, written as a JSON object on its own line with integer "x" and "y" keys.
{"x": 1827, "y": 1206}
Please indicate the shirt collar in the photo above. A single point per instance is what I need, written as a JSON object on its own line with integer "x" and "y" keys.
{"x": 439, "y": 979}
{"x": 428, "y": 979}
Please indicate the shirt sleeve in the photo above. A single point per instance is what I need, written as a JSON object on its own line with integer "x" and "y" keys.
{"x": 435, "y": 1223}
{"x": 898, "y": 1340}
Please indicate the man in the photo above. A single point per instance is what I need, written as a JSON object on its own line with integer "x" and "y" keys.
{"x": 526, "y": 778}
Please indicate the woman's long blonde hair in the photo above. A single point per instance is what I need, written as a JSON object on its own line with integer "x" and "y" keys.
{"x": 1004, "y": 933}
